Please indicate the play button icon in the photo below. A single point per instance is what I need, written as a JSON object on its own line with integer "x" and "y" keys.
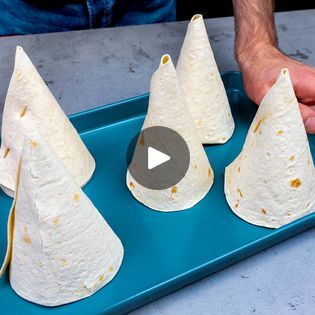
{"x": 161, "y": 158}
{"x": 156, "y": 158}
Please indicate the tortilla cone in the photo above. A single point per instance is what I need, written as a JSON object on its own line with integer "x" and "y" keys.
{"x": 61, "y": 248}
{"x": 202, "y": 85}
{"x": 29, "y": 107}
{"x": 167, "y": 108}
{"x": 271, "y": 182}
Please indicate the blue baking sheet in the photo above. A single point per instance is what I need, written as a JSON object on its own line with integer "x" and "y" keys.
{"x": 163, "y": 251}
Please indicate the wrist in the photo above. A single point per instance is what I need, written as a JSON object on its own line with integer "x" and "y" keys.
{"x": 249, "y": 57}
{"x": 260, "y": 66}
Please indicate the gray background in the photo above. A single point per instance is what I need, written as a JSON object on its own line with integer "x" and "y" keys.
{"x": 86, "y": 69}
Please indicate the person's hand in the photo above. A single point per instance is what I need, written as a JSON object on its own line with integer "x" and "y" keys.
{"x": 261, "y": 69}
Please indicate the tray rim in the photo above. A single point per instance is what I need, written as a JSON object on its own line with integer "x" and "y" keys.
{"x": 278, "y": 235}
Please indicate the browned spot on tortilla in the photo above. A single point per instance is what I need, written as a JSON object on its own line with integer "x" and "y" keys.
{"x": 195, "y": 167}
{"x": 141, "y": 141}
{"x": 236, "y": 205}
{"x": 111, "y": 268}
{"x": 23, "y": 111}
{"x": 40, "y": 263}
{"x": 223, "y": 138}
{"x": 308, "y": 162}
{"x": 63, "y": 263}
{"x": 56, "y": 220}
{"x": 229, "y": 115}
{"x": 6, "y": 152}
{"x": 240, "y": 192}
{"x": 292, "y": 158}
{"x": 289, "y": 213}
{"x": 101, "y": 278}
{"x": 76, "y": 197}
{"x": 295, "y": 183}
{"x": 279, "y": 132}
{"x": 132, "y": 185}
{"x": 34, "y": 144}
{"x": 238, "y": 169}
{"x": 26, "y": 238}
{"x": 264, "y": 211}
{"x": 209, "y": 172}
{"x": 174, "y": 190}
{"x": 18, "y": 75}
{"x": 258, "y": 124}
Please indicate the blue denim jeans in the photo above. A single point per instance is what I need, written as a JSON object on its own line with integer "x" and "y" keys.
{"x": 38, "y": 16}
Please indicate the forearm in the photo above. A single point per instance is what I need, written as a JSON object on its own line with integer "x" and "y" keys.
{"x": 255, "y": 28}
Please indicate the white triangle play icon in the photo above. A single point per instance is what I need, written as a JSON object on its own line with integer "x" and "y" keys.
{"x": 156, "y": 158}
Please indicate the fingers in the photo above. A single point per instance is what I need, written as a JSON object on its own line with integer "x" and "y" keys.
{"x": 304, "y": 84}
{"x": 308, "y": 115}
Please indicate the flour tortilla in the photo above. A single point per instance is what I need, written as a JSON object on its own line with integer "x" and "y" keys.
{"x": 202, "y": 85}
{"x": 167, "y": 108}
{"x": 272, "y": 181}
{"x": 29, "y": 107}
{"x": 10, "y": 226}
{"x": 62, "y": 250}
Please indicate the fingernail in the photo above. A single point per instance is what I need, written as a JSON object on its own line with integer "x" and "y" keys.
{"x": 310, "y": 125}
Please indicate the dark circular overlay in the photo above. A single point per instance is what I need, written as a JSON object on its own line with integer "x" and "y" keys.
{"x": 168, "y": 173}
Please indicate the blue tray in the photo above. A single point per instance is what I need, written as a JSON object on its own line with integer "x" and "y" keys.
{"x": 163, "y": 251}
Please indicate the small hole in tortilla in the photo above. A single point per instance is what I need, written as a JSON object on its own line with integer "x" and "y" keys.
{"x": 165, "y": 59}
{"x": 196, "y": 17}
